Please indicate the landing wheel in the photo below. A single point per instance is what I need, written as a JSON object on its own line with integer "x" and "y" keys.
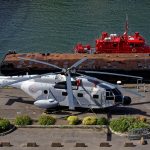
{"x": 126, "y": 100}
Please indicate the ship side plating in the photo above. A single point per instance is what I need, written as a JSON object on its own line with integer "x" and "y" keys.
{"x": 132, "y": 64}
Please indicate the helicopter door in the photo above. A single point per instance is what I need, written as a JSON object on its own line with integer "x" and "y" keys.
{"x": 109, "y": 99}
{"x": 59, "y": 94}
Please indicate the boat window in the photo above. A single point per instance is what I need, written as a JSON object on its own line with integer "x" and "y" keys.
{"x": 137, "y": 45}
{"x": 114, "y": 44}
{"x": 80, "y": 94}
{"x": 96, "y": 96}
{"x": 131, "y": 45}
{"x": 64, "y": 93}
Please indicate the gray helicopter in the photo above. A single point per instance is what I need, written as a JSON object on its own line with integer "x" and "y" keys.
{"x": 68, "y": 88}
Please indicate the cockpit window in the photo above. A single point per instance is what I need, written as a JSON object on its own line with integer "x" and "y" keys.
{"x": 116, "y": 91}
{"x": 109, "y": 94}
{"x": 112, "y": 93}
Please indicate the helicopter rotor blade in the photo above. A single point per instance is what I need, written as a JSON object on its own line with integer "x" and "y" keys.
{"x": 131, "y": 91}
{"x": 70, "y": 92}
{"x": 91, "y": 78}
{"x": 114, "y": 85}
{"x": 24, "y": 79}
{"x": 115, "y": 74}
{"x": 41, "y": 62}
{"x": 78, "y": 63}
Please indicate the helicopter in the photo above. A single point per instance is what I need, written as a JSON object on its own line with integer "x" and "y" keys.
{"x": 68, "y": 88}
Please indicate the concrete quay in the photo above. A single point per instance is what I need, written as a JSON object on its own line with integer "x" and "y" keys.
{"x": 14, "y": 102}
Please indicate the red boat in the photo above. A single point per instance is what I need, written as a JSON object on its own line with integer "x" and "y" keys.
{"x": 113, "y": 43}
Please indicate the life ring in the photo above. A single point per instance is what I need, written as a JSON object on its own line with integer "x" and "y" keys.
{"x": 134, "y": 50}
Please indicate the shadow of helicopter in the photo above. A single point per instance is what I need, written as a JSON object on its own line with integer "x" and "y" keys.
{"x": 11, "y": 101}
{"x": 128, "y": 111}
{"x": 108, "y": 111}
{"x": 8, "y": 96}
{"x": 64, "y": 111}
{"x": 140, "y": 103}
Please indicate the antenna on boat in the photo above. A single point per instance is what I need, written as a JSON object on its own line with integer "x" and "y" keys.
{"x": 126, "y": 27}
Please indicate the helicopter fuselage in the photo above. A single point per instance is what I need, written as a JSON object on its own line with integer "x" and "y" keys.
{"x": 51, "y": 91}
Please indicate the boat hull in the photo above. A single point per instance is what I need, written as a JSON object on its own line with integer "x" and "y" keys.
{"x": 131, "y": 64}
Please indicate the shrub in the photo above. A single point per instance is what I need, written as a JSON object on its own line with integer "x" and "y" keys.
{"x": 4, "y": 124}
{"x": 124, "y": 124}
{"x": 46, "y": 120}
{"x": 138, "y": 124}
{"x": 90, "y": 120}
{"x": 73, "y": 120}
{"x": 23, "y": 120}
{"x": 102, "y": 121}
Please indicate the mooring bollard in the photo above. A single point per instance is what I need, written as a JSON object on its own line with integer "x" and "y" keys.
{"x": 129, "y": 144}
{"x": 32, "y": 144}
{"x": 105, "y": 144}
{"x": 80, "y": 145}
{"x": 5, "y": 144}
{"x": 56, "y": 144}
{"x": 143, "y": 141}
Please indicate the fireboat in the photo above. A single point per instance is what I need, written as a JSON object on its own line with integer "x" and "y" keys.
{"x": 113, "y": 43}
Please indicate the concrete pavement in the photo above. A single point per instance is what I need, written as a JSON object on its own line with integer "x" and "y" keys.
{"x": 14, "y": 101}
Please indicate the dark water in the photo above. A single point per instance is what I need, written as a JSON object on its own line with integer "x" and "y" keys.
{"x": 57, "y": 25}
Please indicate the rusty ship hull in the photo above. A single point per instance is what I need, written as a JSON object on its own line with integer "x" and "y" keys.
{"x": 137, "y": 64}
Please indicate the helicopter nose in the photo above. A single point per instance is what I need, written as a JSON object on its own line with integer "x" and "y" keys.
{"x": 126, "y": 100}
{"x": 118, "y": 99}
